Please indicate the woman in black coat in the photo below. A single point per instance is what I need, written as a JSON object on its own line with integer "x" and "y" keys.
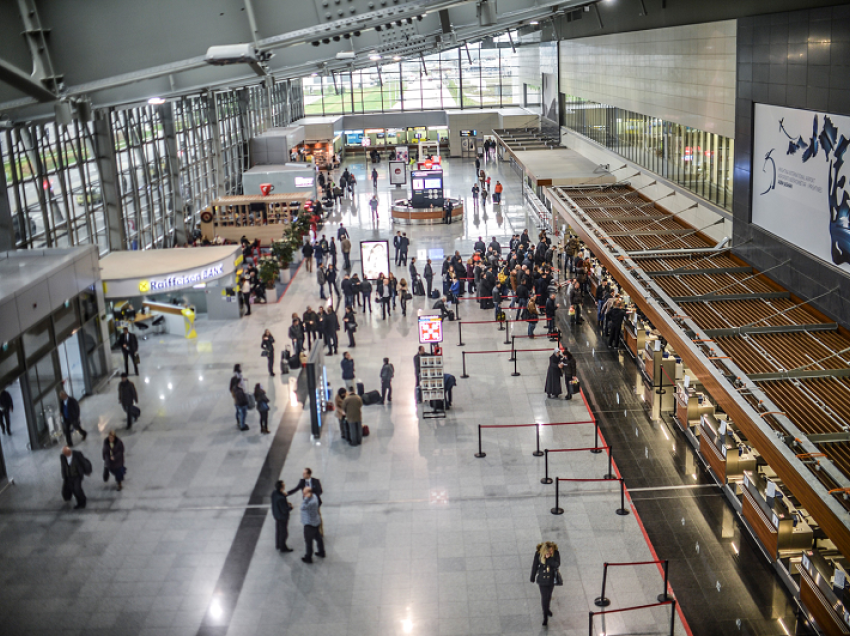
{"x": 349, "y": 321}
{"x": 113, "y": 458}
{"x": 544, "y": 572}
{"x": 553, "y": 375}
{"x": 296, "y": 334}
{"x": 262, "y": 401}
{"x": 267, "y": 346}
{"x": 569, "y": 371}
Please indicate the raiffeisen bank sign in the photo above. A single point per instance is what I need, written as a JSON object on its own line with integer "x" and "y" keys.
{"x": 181, "y": 280}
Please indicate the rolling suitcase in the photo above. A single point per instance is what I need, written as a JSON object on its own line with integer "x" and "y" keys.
{"x": 361, "y": 389}
{"x": 435, "y": 295}
{"x": 365, "y": 430}
{"x": 372, "y": 397}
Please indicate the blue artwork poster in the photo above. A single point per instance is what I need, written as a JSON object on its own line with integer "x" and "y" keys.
{"x": 800, "y": 191}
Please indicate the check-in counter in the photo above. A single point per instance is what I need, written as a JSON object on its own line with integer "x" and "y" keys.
{"x": 780, "y": 529}
{"x": 691, "y": 404}
{"x": 724, "y": 452}
{"x": 634, "y": 335}
{"x": 824, "y": 602}
{"x": 178, "y": 320}
{"x": 660, "y": 370}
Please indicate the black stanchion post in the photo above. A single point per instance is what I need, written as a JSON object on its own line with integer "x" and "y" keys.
{"x": 664, "y": 596}
{"x": 515, "y": 373}
{"x": 507, "y": 330}
{"x": 480, "y": 452}
{"x": 601, "y": 601}
{"x": 547, "y": 479}
{"x": 457, "y": 308}
{"x": 622, "y": 509}
{"x": 538, "y": 452}
{"x": 672, "y": 617}
{"x": 463, "y": 356}
{"x": 590, "y": 625}
{"x": 460, "y": 333}
{"x": 610, "y": 474}
{"x": 596, "y": 449}
{"x": 513, "y": 349}
{"x": 557, "y": 510}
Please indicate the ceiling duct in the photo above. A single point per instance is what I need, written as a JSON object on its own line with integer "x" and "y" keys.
{"x": 487, "y": 13}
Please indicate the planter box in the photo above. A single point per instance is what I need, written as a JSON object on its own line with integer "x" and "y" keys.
{"x": 286, "y": 275}
{"x": 271, "y": 295}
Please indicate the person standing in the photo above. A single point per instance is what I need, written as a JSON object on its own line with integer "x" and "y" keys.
{"x": 387, "y": 374}
{"x": 113, "y": 459}
{"x": 386, "y": 295}
{"x": 353, "y": 407}
{"x": 347, "y": 291}
{"x": 449, "y": 383}
{"x": 405, "y": 246}
{"x": 544, "y": 572}
{"x": 267, "y": 347}
{"x": 308, "y": 481}
{"x": 296, "y": 335}
{"x": 345, "y": 246}
{"x": 321, "y": 278}
{"x": 417, "y": 365}
{"x": 347, "y": 366}
{"x": 414, "y": 276}
{"x": 349, "y": 321}
{"x": 7, "y": 405}
{"x": 554, "y": 373}
{"x": 568, "y": 363}
{"x": 307, "y": 253}
{"x": 331, "y": 327}
{"x": 449, "y": 208}
{"x": 615, "y": 319}
{"x": 71, "y": 417}
{"x": 129, "y": 348}
{"x": 366, "y": 290}
{"x": 550, "y": 309}
{"x": 310, "y": 321}
{"x": 397, "y": 246}
{"x": 375, "y": 178}
{"x": 341, "y": 232}
{"x": 280, "y": 512}
{"x": 533, "y": 317}
{"x": 311, "y": 520}
{"x": 128, "y": 398}
{"x": 475, "y": 191}
{"x": 240, "y": 398}
{"x": 428, "y": 275}
{"x": 333, "y": 286}
{"x": 497, "y": 192}
{"x": 262, "y": 402}
{"x": 404, "y": 294}
{"x": 244, "y": 298}
{"x": 373, "y": 205}
{"x": 333, "y": 252}
{"x": 497, "y": 300}
{"x": 75, "y": 467}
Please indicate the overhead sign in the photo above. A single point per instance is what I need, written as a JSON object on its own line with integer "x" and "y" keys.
{"x": 430, "y": 329}
{"x": 799, "y": 177}
{"x": 468, "y": 133}
{"x": 155, "y": 285}
{"x": 304, "y": 182}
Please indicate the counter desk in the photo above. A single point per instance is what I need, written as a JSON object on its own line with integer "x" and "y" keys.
{"x": 405, "y": 214}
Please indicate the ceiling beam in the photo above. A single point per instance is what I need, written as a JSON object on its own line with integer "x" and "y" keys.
{"x": 738, "y": 331}
{"x": 722, "y": 297}
{"x": 15, "y": 77}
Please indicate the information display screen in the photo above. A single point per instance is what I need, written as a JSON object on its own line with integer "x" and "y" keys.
{"x": 433, "y": 184}
{"x": 374, "y": 258}
{"x": 418, "y": 184}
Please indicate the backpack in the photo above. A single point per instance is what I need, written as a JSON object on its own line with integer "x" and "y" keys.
{"x": 87, "y": 468}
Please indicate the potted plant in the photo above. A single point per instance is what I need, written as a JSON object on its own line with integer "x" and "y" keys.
{"x": 269, "y": 270}
{"x": 284, "y": 250}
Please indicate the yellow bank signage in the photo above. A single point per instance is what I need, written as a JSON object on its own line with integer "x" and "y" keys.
{"x": 181, "y": 280}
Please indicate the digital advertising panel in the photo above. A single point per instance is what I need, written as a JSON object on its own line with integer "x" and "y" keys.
{"x": 799, "y": 190}
{"x": 430, "y": 329}
{"x": 398, "y": 173}
{"x": 374, "y": 258}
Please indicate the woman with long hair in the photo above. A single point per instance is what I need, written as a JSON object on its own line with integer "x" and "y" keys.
{"x": 544, "y": 572}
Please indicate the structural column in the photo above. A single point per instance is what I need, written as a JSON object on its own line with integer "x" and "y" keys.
{"x": 172, "y": 173}
{"x": 104, "y": 153}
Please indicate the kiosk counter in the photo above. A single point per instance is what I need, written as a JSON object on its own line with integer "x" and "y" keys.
{"x": 251, "y": 215}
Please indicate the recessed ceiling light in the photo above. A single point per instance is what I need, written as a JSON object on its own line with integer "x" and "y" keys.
{"x": 156, "y": 100}
{"x": 534, "y": 22}
{"x": 397, "y": 58}
{"x": 374, "y": 57}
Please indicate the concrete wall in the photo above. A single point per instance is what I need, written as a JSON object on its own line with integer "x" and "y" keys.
{"x": 797, "y": 59}
{"x": 683, "y": 74}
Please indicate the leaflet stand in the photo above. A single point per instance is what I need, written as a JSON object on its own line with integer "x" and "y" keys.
{"x": 431, "y": 385}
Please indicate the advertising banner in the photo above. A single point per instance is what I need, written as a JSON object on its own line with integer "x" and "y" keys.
{"x": 398, "y": 173}
{"x": 799, "y": 180}
{"x": 374, "y": 258}
{"x": 430, "y": 329}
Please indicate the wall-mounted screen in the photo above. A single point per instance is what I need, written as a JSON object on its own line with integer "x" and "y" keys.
{"x": 374, "y": 258}
{"x": 433, "y": 184}
{"x": 799, "y": 176}
{"x": 304, "y": 182}
{"x": 418, "y": 184}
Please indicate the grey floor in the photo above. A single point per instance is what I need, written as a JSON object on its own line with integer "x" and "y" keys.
{"x": 422, "y": 537}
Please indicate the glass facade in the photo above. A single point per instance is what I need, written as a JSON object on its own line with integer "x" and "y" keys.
{"x": 482, "y": 75}
{"x": 171, "y": 161}
{"x": 694, "y": 159}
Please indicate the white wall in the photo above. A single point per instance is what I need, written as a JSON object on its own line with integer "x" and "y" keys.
{"x": 683, "y": 74}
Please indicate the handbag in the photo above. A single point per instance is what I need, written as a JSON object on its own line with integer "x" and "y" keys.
{"x": 105, "y": 474}
{"x": 407, "y": 296}
{"x": 136, "y": 358}
{"x": 264, "y": 353}
{"x": 558, "y": 578}
{"x": 252, "y": 403}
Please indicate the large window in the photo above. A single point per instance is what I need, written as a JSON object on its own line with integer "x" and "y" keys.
{"x": 474, "y": 76}
{"x": 697, "y": 160}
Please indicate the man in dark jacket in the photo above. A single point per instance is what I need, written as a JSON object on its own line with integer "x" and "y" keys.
{"x": 449, "y": 383}
{"x": 331, "y": 327}
{"x": 441, "y": 305}
{"x": 496, "y": 246}
{"x": 347, "y": 291}
{"x": 333, "y": 286}
{"x": 551, "y": 307}
{"x": 387, "y": 374}
{"x": 6, "y": 408}
{"x": 308, "y": 481}
{"x": 129, "y": 346}
{"x": 497, "y": 300}
{"x": 74, "y": 468}
{"x": 127, "y": 398}
{"x": 280, "y": 512}
{"x": 366, "y": 290}
{"x": 70, "y": 418}
{"x": 397, "y": 246}
{"x": 615, "y": 318}
{"x": 347, "y": 366}
{"x": 428, "y": 275}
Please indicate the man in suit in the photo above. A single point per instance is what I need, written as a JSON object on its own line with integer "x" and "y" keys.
{"x": 308, "y": 481}
{"x": 74, "y": 468}
{"x": 6, "y": 408}
{"x": 70, "y": 418}
{"x": 397, "y": 246}
{"x": 127, "y": 398}
{"x": 414, "y": 275}
{"x": 129, "y": 346}
{"x": 280, "y": 512}
{"x": 404, "y": 245}
{"x": 428, "y": 275}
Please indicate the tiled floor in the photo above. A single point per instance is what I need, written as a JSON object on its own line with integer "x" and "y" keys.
{"x": 422, "y": 537}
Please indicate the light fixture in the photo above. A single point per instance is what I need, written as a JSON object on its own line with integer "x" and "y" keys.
{"x": 314, "y": 74}
{"x": 374, "y": 57}
{"x": 201, "y": 378}
{"x": 397, "y": 58}
{"x": 534, "y": 23}
{"x": 156, "y": 100}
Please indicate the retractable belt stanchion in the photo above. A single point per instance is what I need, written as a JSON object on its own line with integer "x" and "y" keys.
{"x": 559, "y": 511}
{"x": 480, "y": 452}
{"x": 603, "y": 601}
{"x": 460, "y": 342}
{"x": 664, "y": 596}
{"x": 671, "y": 603}
{"x": 593, "y": 449}
{"x": 538, "y": 452}
{"x": 547, "y": 479}
{"x": 463, "y": 356}
{"x": 507, "y": 331}
{"x": 622, "y": 509}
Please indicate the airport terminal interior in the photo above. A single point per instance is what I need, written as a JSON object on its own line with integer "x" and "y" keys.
{"x": 542, "y": 305}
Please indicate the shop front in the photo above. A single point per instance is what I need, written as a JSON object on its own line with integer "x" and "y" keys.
{"x": 52, "y": 339}
{"x": 163, "y": 291}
